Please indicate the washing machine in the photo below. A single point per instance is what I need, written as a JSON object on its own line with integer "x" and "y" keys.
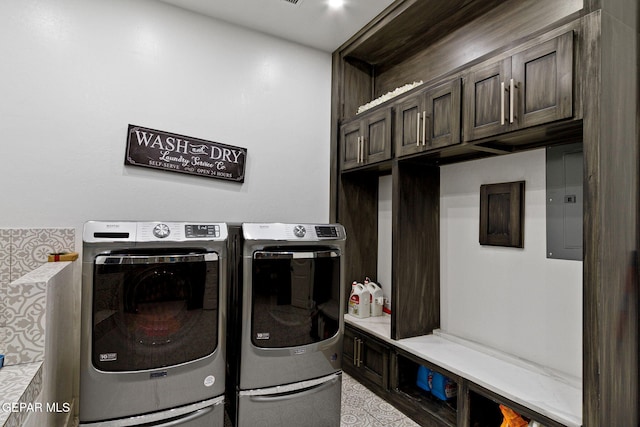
{"x": 287, "y": 326}
{"x": 153, "y": 324}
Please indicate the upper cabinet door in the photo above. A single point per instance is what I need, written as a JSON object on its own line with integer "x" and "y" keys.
{"x": 443, "y": 110}
{"x": 410, "y": 127}
{"x": 486, "y": 100}
{"x": 350, "y": 145}
{"x": 543, "y": 76}
{"x": 530, "y": 88}
{"x": 366, "y": 140}
{"x": 429, "y": 120}
{"x": 377, "y": 136}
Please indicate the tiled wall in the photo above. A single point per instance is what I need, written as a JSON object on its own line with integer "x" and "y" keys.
{"x": 42, "y": 343}
{"x": 22, "y": 251}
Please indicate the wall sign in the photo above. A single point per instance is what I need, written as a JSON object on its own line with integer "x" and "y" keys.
{"x": 178, "y": 153}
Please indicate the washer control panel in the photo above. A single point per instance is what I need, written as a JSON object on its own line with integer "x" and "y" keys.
{"x": 327, "y": 231}
{"x": 169, "y": 231}
{"x": 194, "y": 231}
{"x": 161, "y": 231}
{"x": 299, "y": 231}
{"x": 293, "y": 232}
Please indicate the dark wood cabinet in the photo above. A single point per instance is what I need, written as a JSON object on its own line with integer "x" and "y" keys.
{"x": 350, "y": 137}
{"x": 545, "y": 76}
{"x": 571, "y": 63}
{"x": 429, "y": 119}
{"x": 484, "y": 110}
{"x": 529, "y": 88}
{"x": 367, "y": 139}
{"x": 445, "y": 109}
{"x": 410, "y": 126}
{"x": 366, "y": 358}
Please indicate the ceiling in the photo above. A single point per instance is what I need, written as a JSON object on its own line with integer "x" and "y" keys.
{"x": 309, "y": 22}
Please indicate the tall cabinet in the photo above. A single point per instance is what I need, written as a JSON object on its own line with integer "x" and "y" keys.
{"x": 499, "y": 76}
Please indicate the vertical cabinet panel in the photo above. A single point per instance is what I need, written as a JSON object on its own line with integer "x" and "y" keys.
{"x": 416, "y": 250}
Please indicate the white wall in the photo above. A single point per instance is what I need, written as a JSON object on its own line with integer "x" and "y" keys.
{"x": 515, "y": 300}
{"x": 75, "y": 73}
{"x": 385, "y": 236}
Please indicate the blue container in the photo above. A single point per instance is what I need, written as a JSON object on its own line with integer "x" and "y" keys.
{"x": 423, "y": 378}
{"x": 442, "y": 387}
{"x": 1, "y": 360}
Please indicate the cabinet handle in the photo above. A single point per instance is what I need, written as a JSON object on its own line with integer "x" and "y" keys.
{"x": 424, "y": 128}
{"x": 502, "y": 104}
{"x": 511, "y": 96}
{"x": 418, "y": 131}
{"x": 357, "y": 343}
{"x": 355, "y": 351}
{"x": 359, "y": 150}
{"x": 362, "y": 149}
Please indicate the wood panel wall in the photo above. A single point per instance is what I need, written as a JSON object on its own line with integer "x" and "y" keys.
{"x": 504, "y": 26}
{"x": 611, "y": 214}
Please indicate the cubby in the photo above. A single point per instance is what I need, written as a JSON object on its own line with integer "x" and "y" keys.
{"x": 484, "y": 412}
{"x": 416, "y": 400}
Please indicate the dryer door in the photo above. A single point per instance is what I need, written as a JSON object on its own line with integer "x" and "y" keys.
{"x": 154, "y": 308}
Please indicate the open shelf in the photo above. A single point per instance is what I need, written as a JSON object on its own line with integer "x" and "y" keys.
{"x": 484, "y": 411}
{"x": 417, "y": 400}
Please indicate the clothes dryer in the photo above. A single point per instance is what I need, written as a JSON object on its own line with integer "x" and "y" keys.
{"x": 153, "y": 324}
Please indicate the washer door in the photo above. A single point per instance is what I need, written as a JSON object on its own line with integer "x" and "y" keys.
{"x": 154, "y": 309}
{"x": 296, "y": 297}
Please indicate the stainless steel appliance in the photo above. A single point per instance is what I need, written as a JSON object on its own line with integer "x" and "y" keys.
{"x": 153, "y": 324}
{"x": 285, "y": 367}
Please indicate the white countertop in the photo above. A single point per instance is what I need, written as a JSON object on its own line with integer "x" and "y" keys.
{"x": 18, "y": 384}
{"x": 541, "y": 390}
{"x": 379, "y": 326}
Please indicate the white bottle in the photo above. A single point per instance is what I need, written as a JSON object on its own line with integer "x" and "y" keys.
{"x": 359, "y": 301}
{"x": 376, "y": 299}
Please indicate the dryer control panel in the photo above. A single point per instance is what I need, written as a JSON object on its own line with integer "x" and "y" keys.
{"x": 293, "y": 232}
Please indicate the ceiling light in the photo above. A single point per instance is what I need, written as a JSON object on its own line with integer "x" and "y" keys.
{"x": 335, "y": 4}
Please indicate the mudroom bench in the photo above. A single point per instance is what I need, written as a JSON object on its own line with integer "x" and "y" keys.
{"x": 484, "y": 377}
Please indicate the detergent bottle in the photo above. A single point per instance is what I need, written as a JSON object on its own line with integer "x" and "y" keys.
{"x": 359, "y": 301}
{"x": 376, "y": 299}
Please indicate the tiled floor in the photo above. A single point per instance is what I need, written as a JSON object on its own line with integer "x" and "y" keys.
{"x": 362, "y": 408}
